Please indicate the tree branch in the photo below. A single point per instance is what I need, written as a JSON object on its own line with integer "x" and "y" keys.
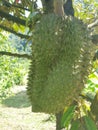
{"x": 12, "y": 18}
{"x": 14, "y": 32}
{"x": 48, "y": 6}
{"x": 68, "y": 8}
{"x": 94, "y": 24}
{"x": 15, "y": 54}
{"x": 7, "y": 4}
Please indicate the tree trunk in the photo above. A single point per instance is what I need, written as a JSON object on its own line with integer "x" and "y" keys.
{"x": 48, "y": 6}
{"x": 58, "y": 120}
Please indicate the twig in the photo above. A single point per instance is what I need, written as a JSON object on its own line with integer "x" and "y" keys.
{"x": 14, "y": 32}
{"x": 15, "y": 54}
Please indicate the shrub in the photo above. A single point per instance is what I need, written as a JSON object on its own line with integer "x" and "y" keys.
{"x": 12, "y": 70}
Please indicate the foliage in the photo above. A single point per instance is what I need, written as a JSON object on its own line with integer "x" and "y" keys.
{"x": 84, "y": 116}
{"x": 69, "y": 120}
{"x": 67, "y": 116}
{"x": 87, "y": 10}
{"x": 16, "y": 15}
{"x": 92, "y": 84}
{"x": 11, "y": 69}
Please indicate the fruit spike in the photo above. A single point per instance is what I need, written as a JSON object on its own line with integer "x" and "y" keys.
{"x": 60, "y": 63}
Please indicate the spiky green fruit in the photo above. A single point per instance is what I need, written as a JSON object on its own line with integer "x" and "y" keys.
{"x": 60, "y": 63}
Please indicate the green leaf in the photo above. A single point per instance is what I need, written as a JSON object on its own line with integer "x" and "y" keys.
{"x": 67, "y": 116}
{"x": 89, "y": 123}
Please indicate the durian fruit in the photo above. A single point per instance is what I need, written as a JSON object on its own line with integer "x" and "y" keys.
{"x": 61, "y": 61}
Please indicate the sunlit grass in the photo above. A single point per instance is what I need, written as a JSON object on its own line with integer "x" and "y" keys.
{"x": 15, "y": 114}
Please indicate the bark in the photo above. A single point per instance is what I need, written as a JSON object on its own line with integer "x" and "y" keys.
{"x": 58, "y": 7}
{"x": 48, "y": 6}
{"x": 58, "y": 120}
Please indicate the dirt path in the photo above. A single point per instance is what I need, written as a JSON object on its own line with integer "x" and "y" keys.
{"x": 15, "y": 114}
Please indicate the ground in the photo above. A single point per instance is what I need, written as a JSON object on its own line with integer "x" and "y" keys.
{"x": 15, "y": 114}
